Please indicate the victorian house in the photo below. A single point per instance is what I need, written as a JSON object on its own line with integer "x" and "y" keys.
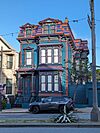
{"x": 47, "y": 51}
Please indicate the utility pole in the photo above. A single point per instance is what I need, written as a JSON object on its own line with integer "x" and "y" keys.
{"x": 95, "y": 113}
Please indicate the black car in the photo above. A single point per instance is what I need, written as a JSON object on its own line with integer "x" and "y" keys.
{"x": 52, "y": 103}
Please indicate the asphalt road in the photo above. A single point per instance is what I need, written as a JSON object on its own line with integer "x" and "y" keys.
{"x": 49, "y": 130}
{"x": 37, "y": 116}
{"x": 26, "y": 116}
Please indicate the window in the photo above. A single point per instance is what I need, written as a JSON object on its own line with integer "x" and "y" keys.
{"x": 49, "y": 29}
{"x": 49, "y": 55}
{"x": 52, "y": 29}
{"x": 45, "y": 29}
{"x": 49, "y": 83}
{"x": 8, "y": 86}
{"x": 56, "y": 83}
{"x": 28, "y": 58}
{"x": 28, "y": 32}
{"x": 43, "y": 56}
{"x": 56, "y": 56}
{"x": 43, "y": 84}
{"x": 9, "y": 61}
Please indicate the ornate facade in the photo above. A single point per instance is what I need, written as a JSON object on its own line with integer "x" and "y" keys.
{"x": 47, "y": 51}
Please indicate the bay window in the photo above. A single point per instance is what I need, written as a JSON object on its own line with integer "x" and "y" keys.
{"x": 50, "y": 55}
{"x": 49, "y": 82}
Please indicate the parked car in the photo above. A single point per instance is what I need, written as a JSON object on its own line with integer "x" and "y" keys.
{"x": 52, "y": 103}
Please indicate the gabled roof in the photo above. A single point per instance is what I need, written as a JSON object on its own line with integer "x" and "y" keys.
{"x": 27, "y": 25}
{"x": 4, "y": 42}
{"x": 50, "y": 20}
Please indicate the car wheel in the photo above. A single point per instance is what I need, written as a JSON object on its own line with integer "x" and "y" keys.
{"x": 61, "y": 109}
{"x": 35, "y": 109}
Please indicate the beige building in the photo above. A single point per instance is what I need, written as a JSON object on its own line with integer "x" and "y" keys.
{"x": 9, "y": 60}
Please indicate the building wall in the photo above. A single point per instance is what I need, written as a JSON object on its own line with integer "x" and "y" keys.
{"x": 8, "y": 73}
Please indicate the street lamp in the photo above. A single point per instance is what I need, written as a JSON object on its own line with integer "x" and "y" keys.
{"x": 95, "y": 114}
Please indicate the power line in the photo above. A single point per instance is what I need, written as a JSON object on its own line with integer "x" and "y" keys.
{"x": 78, "y": 20}
{"x": 7, "y": 34}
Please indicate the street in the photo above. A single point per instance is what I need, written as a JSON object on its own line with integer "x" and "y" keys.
{"x": 26, "y": 116}
{"x": 49, "y": 130}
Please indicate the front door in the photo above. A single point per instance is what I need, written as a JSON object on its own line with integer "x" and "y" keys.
{"x": 27, "y": 85}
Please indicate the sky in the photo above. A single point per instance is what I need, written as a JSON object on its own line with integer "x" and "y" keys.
{"x": 15, "y": 13}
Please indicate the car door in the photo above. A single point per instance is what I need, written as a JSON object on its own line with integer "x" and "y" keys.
{"x": 46, "y": 103}
{"x": 54, "y": 103}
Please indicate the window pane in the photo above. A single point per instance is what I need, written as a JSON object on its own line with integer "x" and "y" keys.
{"x": 45, "y": 27}
{"x": 56, "y": 86}
{"x": 55, "y": 78}
{"x": 8, "y": 86}
{"x": 49, "y": 78}
{"x": 43, "y": 87}
{"x": 28, "y": 31}
{"x": 42, "y": 79}
{"x": 43, "y": 60}
{"x": 28, "y": 62}
{"x": 49, "y": 87}
{"x": 49, "y": 60}
{"x": 28, "y": 55}
{"x": 43, "y": 52}
{"x": 55, "y": 59}
{"x": 10, "y": 58}
{"x": 49, "y": 52}
{"x": 9, "y": 61}
{"x": 56, "y": 52}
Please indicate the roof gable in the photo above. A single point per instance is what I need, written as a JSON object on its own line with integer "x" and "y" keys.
{"x": 50, "y": 20}
{"x": 27, "y": 25}
{"x": 4, "y": 44}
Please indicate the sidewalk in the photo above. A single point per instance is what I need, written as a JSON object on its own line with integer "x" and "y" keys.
{"x": 82, "y": 113}
{"x": 15, "y": 110}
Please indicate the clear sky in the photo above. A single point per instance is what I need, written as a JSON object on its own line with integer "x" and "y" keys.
{"x": 15, "y": 13}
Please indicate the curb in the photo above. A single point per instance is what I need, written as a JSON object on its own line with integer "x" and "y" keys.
{"x": 52, "y": 125}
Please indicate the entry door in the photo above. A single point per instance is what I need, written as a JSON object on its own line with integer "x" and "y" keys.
{"x": 27, "y": 84}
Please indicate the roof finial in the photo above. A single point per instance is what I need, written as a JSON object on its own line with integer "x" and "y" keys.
{"x": 66, "y": 20}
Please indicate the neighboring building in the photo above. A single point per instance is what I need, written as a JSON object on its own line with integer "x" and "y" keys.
{"x": 8, "y": 66}
{"x": 47, "y": 52}
{"x": 80, "y": 61}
